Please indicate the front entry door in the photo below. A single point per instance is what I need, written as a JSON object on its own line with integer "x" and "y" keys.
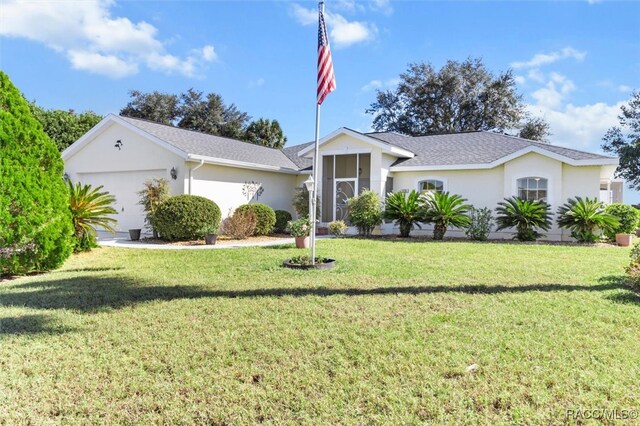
{"x": 344, "y": 189}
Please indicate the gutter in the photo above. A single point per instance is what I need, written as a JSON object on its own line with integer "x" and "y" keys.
{"x": 191, "y": 170}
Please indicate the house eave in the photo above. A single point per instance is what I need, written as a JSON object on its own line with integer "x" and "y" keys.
{"x": 241, "y": 164}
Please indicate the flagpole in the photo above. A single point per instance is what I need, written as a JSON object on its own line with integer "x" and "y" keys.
{"x": 314, "y": 193}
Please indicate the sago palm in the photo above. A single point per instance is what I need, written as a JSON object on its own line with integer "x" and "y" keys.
{"x": 527, "y": 216}
{"x": 90, "y": 207}
{"x": 444, "y": 210}
{"x": 585, "y": 216}
{"x": 405, "y": 209}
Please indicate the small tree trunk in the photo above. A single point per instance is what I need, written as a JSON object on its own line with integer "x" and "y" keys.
{"x": 405, "y": 229}
{"x": 439, "y": 231}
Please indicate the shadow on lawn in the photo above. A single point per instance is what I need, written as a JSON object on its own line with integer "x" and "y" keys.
{"x": 30, "y": 324}
{"x": 92, "y": 294}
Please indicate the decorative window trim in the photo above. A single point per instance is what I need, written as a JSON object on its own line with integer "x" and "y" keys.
{"x": 550, "y": 200}
{"x": 445, "y": 183}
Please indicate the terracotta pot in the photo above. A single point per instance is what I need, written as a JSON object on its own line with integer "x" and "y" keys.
{"x": 210, "y": 239}
{"x": 303, "y": 242}
{"x": 624, "y": 240}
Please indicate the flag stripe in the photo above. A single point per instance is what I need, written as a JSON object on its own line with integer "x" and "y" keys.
{"x": 326, "y": 77}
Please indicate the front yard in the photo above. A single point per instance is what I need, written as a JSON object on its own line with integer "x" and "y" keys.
{"x": 230, "y": 337}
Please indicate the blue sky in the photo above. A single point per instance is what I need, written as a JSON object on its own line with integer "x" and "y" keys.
{"x": 576, "y": 62}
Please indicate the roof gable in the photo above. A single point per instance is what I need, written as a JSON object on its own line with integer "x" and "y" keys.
{"x": 386, "y": 147}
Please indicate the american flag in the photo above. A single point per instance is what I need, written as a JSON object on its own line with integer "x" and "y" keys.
{"x": 326, "y": 78}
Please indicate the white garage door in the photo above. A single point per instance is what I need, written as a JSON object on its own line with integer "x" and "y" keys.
{"x": 125, "y": 187}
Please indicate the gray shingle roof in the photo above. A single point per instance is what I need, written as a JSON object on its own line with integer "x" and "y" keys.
{"x": 197, "y": 143}
{"x": 469, "y": 148}
{"x": 292, "y": 153}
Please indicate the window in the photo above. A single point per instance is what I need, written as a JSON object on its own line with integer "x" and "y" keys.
{"x": 431, "y": 185}
{"x": 532, "y": 188}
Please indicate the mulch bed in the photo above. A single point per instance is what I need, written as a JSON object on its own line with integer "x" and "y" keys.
{"x": 221, "y": 241}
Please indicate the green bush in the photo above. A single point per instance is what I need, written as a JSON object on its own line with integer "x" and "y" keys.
{"x": 445, "y": 210}
{"x": 89, "y": 208}
{"x": 527, "y": 216}
{"x": 365, "y": 212}
{"x": 300, "y": 202}
{"x": 627, "y": 217}
{"x": 265, "y": 217}
{"x": 183, "y": 217}
{"x": 481, "y": 224}
{"x": 155, "y": 192}
{"x": 36, "y": 233}
{"x": 634, "y": 266}
{"x": 405, "y": 208}
{"x": 584, "y": 217}
{"x": 282, "y": 218}
{"x": 338, "y": 228}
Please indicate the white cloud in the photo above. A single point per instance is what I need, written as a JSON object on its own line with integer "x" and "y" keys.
{"x": 540, "y": 59}
{"x": 342, "y": 32}
{"x": 379, "y": 84}
{"x": 209, "y": 54}
{"x": 257, "y": 83}
{"x": 519, "y": 79}
{"x": 95, "y": 41}
{"x": 624, "y": 88}
{"x": 554, "y": 92}
{"x": 383, "y": 6}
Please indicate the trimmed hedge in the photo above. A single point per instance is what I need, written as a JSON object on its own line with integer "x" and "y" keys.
{"x": 183, "y": 217}
{"x": 627, "y": 216}
{"x": 265, "y": 217}
{"x": 282, "y": 219}
{"x": 35, "y": 221}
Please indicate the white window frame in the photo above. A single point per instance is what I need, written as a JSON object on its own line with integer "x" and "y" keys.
{"x": 445, "y": 184}
{"x": 516, "y": 190}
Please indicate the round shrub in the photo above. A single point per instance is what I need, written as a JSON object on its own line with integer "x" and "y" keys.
{"x": 282, "y": 218}
{"x": 365, "y": 211}
{"x": 627, "y": 217}
{"x": 184, "y": 217}
{"x": 265, "y": 217}
{"x": 35, "y": 221}
{"x": 338, "y": 228}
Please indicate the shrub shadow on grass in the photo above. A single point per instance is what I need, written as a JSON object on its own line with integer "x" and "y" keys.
{"x": 632, "y": 294}
{"x": 279, "y": 247}
{"x": 30, "y": 324}
{"x": 92, "y": 294}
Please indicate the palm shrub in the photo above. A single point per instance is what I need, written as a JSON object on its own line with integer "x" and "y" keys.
{"x": 527, "y": 216}
{"x": 445, "y": 210}
{"x": 481, "y": 224}
{"x": 627, "y": 219}
{"x": 183, "y": 217}
{"x": 36, "y": 233}
{"x": 154, "y": 193}
{"x": 405, "y": 209}
{"x": 282, "y": 218}
{"x": 90, "y": 207}
{"x": 365, "y": 212}
{"x": 584, "y": 217}
{"x": 265, "y": 217}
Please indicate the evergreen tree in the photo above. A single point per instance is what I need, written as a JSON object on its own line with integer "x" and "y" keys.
{"x": 35, "y": 222}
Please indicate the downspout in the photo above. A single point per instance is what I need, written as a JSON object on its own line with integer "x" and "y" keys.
{"x": 191, "y": 174}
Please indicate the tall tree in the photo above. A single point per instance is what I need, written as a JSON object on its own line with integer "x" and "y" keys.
{"x": 266, "y": 132}
{"x": 535, "y": 129}
{"x": 624, "y": 141}
{"x": 64, "y": 127}
{"x": 191, "y": 110}
{"x": 35, "y": 222}
{"x": 155, "y": 106}
{"x": 461, "y": 96}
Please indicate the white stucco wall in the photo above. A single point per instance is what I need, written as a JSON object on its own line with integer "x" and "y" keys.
{"x": 224, "y": 185}
{"x": 123, "y": 171}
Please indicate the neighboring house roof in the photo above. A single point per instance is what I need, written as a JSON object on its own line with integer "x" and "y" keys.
{"x": 204, "y": 145}
{"x": 479, "y": 149}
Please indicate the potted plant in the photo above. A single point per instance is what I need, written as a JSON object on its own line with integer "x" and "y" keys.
{"x": 210, "y": 233}
{"x": 627, "y": 217}
{"x": 134, "y": 234}
{"x": 300, "y": 230}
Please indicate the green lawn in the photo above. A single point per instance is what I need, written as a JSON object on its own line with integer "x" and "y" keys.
{"x": 230, "y": 337}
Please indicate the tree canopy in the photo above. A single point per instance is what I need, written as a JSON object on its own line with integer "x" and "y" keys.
{"x": 624, "y": 141}
{"x": 461, "y": 96}
{"x": 266, "y": 132}
{"x": 193, "y": 110}
{"x": 35, "y": 222}
{"x": 64, "y": 127}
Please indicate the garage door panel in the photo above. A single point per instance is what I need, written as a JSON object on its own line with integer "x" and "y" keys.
{"x": 125, "y": 187}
